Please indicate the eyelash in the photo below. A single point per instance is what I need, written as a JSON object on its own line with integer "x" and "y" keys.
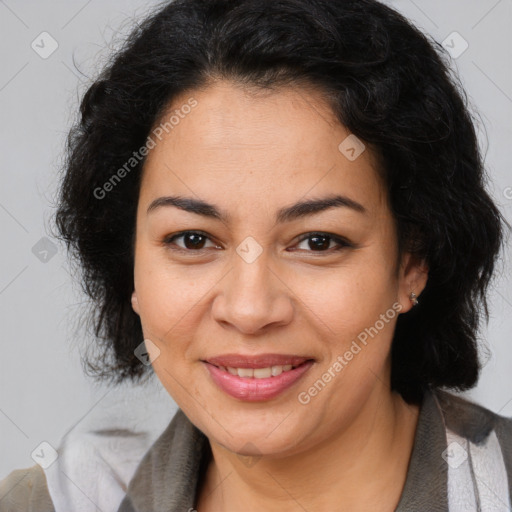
{"x": 342, "y": 243}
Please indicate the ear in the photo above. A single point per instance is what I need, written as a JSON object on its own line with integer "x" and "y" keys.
{"x": 413, "y": 276}
{"x": 135, "y": 303}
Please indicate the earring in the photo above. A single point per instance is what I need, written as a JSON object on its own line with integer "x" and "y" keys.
{"x": 413, "y": 298}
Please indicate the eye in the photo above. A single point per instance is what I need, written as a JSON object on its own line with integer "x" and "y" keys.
{"x": 195, "y": 241}
{"x": 192, "y": 240}
{"x": 320, "y": 242}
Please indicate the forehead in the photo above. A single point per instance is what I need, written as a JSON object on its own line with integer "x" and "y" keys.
{"x": 249, "y": 145}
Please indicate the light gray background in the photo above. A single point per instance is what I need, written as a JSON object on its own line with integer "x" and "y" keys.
{"x": 43, "y": 392}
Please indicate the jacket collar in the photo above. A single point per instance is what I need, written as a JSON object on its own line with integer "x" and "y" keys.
{"x": 167, "y": 477}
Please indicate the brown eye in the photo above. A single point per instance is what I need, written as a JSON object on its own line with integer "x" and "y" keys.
{"x": 321, "y": 242}
{"x": 192, "y": 240}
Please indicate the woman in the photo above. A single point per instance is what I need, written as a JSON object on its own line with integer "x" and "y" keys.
{"x": 285, "y": 200}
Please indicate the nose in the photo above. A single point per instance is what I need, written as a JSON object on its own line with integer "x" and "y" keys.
{"x": 253, "y": 297}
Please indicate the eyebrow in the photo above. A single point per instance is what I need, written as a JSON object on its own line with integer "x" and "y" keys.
{"x": 287, "y": 214}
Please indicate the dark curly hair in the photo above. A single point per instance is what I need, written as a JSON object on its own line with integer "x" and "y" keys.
{"x": 387, "y": 82}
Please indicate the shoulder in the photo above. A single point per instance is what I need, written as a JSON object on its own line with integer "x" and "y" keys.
{"x": 461, "y": 459}
{"x": 478, "y": 453}
{"x": 23, "y": 489}
{"x": 472, "y": 421}
{"x": 170, "y": 470}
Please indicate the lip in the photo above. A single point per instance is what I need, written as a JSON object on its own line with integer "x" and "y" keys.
{"x": 257, "y": 361}
{"x": 253, "y": 390}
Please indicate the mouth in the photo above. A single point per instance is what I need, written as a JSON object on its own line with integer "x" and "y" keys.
{"x": 257, "y": 361}
{"x": 256, "y": 378}
{"x": 259, "y": 373}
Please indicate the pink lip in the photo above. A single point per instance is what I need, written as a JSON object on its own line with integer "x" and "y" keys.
{"x": 259, "y": 361}
{"x": 252, "y": 389}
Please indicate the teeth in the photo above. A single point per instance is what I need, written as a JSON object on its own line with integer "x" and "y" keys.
{"x": 262, "y": 373}
{"x": 245, "y": 372}
{"x": 276, "y": 370}
{"x": 258, "y": 373}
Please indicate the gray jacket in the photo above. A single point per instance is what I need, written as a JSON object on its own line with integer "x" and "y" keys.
{"x": 461, "y": 461}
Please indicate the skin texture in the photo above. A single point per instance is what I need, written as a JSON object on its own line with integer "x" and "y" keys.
{"x": 251, "y": 153}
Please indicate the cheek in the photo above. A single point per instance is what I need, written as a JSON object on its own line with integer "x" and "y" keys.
{"x": 169, "y": 295}
{"x": 349, "y": 298}
{"x": 340, "y": 302}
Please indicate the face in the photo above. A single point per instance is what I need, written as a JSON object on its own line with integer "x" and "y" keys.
{"x": 242, "y": 273}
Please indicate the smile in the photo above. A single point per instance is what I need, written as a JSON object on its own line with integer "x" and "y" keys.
{"x": 257, "y": 384}
{"x": 258, "y": 373}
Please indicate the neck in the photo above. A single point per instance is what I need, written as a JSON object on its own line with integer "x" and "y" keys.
{"x": 363, "y": 467}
